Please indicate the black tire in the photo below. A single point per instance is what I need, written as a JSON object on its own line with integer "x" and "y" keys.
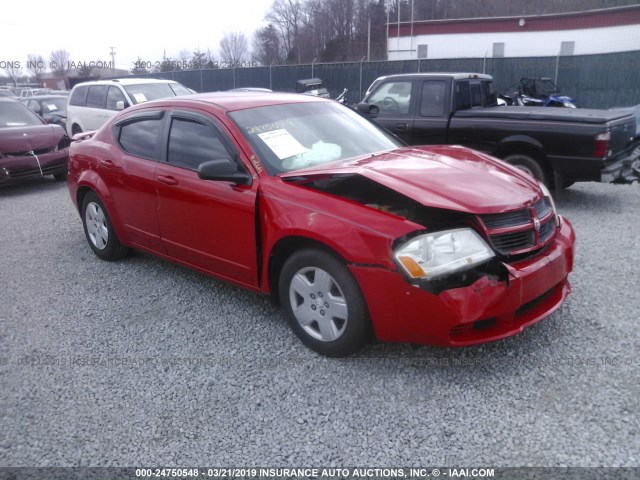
{"x": 324, "y": 314}
{"x": 105, "y": 244}
{"x": 60, "y": 177}
{"x": 529, "y": 165}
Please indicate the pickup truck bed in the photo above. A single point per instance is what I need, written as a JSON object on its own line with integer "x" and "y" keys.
{"x": 557, "y": 145}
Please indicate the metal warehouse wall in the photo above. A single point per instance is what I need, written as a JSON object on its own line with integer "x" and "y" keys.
{"x": 596, "y": 81}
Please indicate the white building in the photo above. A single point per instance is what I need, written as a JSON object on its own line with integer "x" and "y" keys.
{"x": 607, "y": 30}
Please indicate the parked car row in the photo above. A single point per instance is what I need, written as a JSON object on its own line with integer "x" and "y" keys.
{"x": 354, "y": 233}
{"x": 35, "y": 128}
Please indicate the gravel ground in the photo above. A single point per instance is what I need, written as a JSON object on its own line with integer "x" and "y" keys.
{"x": 140, "y": 362}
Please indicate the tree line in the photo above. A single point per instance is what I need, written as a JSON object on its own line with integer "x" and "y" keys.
{"x": 306, "y": 31}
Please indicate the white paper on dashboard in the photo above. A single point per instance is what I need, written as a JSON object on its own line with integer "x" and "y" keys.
{"x": 140, "y": 97}
{"x": 282, "y": 143}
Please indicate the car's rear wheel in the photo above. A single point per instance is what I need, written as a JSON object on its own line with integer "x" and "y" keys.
{"x": 323, "y": 303}
{"x": 99, "y": 231}
{"x": 528, "y": 165}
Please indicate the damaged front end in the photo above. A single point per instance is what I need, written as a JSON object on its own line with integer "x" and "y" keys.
{"x": 462, "y": 278}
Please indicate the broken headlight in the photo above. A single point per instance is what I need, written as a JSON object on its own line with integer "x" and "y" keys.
{"x": 435, "y": 254}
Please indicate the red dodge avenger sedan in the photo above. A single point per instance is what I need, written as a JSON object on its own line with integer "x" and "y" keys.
{"x": 353, "y": 233}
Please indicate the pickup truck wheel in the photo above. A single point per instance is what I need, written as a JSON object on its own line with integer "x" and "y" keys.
{"x": 323, "y": 303}
{"x": 527, "y": 164}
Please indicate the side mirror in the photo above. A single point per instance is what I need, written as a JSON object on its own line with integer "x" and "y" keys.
{"x": 120, "y": 105}
{"x": 370, "y": 110}
{"x": 225, "y": 169}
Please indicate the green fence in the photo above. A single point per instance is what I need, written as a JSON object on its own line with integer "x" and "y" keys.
{"x": 595, "y": 81}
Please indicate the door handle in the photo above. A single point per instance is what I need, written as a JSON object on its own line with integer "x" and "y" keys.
{"x": 401, "y": 126}
{"x": 167, "y": 180}
{"x": 107, "y": 163}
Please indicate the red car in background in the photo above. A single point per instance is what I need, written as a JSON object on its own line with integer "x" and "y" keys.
{"x": 30, "y": 148}
{"x": 355, "y": 234}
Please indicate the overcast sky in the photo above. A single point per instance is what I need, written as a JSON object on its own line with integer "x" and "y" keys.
{"x": 136, "y": 28}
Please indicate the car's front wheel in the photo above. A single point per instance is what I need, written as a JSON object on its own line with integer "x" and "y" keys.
{"x": 99, "y": 231}
{"x": 323, "y": 303}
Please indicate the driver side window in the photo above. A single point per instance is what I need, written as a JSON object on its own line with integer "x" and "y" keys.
{"x": 192, "y": 143}
{"x": 392, "y": 98}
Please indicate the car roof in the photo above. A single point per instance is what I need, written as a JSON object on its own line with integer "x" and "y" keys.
{"x": 43, "y": 97}
{"x": 231, "y": 101}
{"x": 126, "y": 81}
{"x": 454, "y": 75}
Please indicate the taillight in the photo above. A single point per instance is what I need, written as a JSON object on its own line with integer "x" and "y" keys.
{"x": 602, "y": 144}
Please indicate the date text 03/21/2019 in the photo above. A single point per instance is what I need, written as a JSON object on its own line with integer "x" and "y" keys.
{"x": 190, "y": 65}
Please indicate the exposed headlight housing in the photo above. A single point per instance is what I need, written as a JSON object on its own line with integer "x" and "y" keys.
{"x": 547, "y": 194}
{"x": 433, "y": 255}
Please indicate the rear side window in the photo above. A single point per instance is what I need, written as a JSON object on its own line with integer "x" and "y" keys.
{"x": 97, "y": 96}
{"x": 489, "y": 94}
{"x": 463, "y": 97}
{"x": 432, "y": 103}
{"x": 114, "y": 95}
{"x": 192, "y": 143}
{"x": 79, "y": 96}
{"x": 141, "y": 137}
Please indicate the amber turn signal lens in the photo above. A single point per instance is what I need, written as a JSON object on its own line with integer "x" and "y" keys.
{"x": 412, "y": 267}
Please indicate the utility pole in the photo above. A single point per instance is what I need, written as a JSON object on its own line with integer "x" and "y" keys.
{"x": 113, "y": 57}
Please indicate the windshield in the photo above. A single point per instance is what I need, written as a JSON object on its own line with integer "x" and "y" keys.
{"x": 145, "y": 92}
{"x": 300, "y": 135}
{"x": 17, "y": 115}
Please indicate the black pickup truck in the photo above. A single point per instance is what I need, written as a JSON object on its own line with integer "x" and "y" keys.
{"x": 559, "y": 146}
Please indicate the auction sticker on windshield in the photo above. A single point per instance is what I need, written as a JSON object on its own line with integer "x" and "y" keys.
{"x": 282, "y": 143}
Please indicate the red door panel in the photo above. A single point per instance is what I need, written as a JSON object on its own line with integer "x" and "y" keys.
{"x": 208, "y": 224}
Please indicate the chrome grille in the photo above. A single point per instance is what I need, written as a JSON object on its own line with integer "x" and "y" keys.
{"x": 547, "y": 229}
{"x": 508, "y": 242}
{"x": 515, "y": 233}
{"x": 542, "y": 208}
{"x": 501, "y": 220}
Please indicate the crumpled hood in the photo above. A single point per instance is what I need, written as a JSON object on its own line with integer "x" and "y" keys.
{"x": 448, "y": 177}
{"x": 29, "y": 138}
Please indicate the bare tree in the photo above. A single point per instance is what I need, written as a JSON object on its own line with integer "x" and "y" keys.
{"x": 199, "y": 59}
{"x": 288, "y": 16}
{"x": 266, "y": 45}
{"x": 14, "y": 70}
{"x": 233, "y": 47}
{"x": 37, "y": 67}
{"x": 59, "y": 62}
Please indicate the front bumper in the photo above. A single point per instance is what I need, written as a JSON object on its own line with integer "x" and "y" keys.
{"x": 625, "y": 170}
{"x": 487, "y": 310}
{"x": 24, "y": 167}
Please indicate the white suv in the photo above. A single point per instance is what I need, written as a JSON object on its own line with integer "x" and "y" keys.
{"x": 91, "y": 104}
